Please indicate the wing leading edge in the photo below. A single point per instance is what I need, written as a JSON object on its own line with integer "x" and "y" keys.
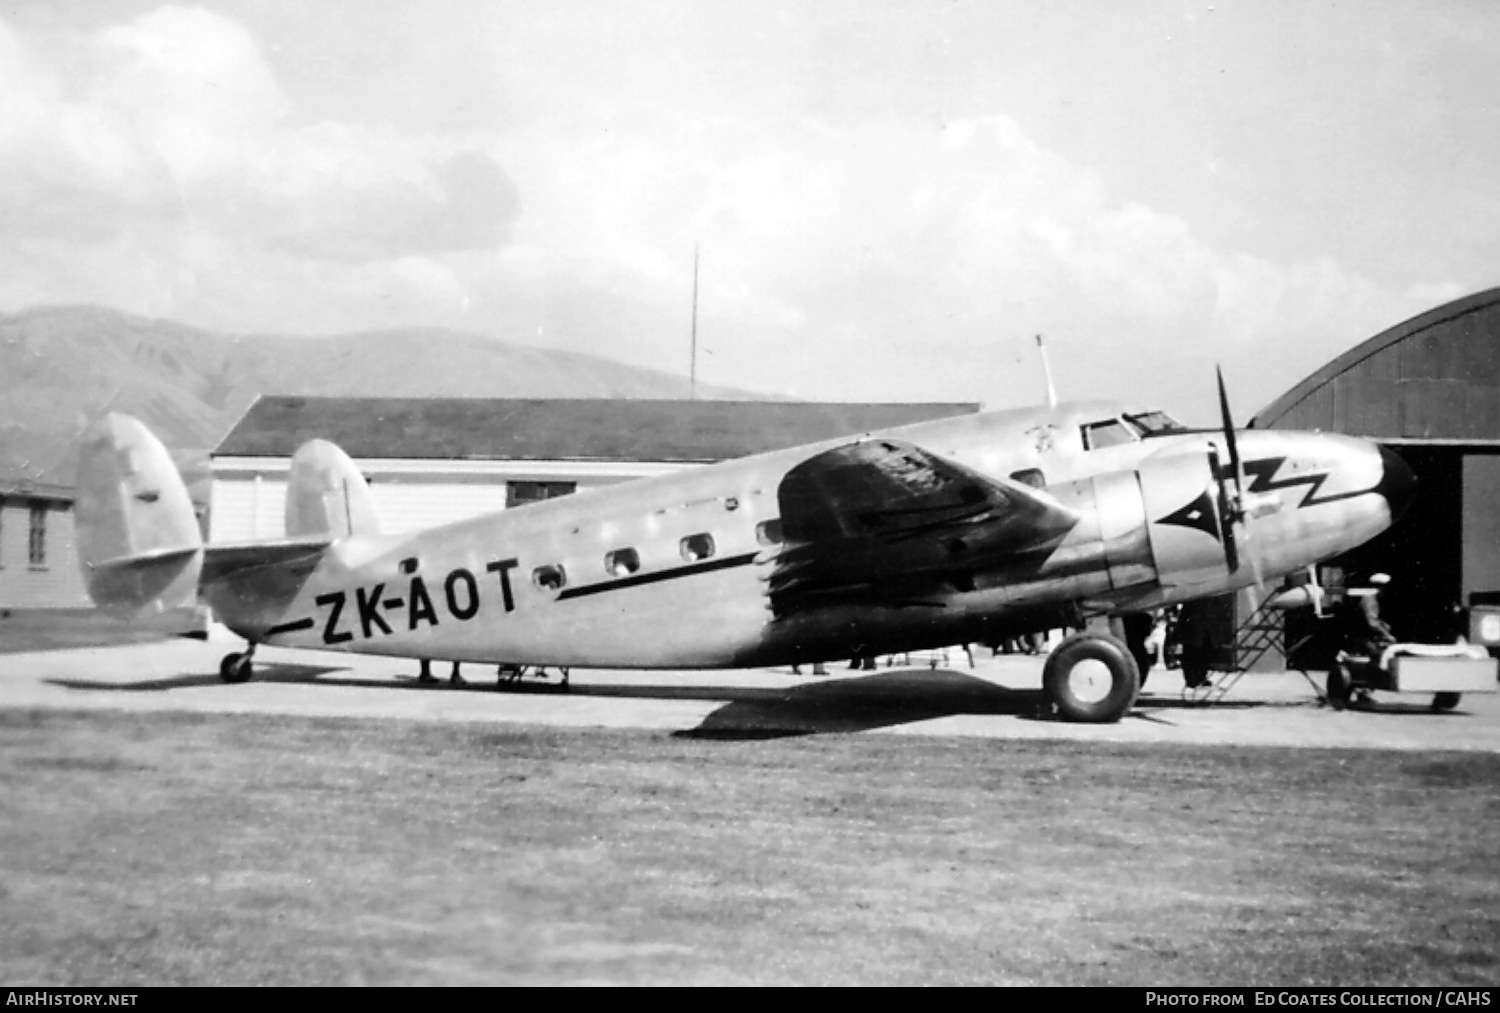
{"x": 882, "y": 521}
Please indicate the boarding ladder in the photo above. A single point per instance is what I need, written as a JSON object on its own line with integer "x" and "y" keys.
{"x": 1263, "y": 631}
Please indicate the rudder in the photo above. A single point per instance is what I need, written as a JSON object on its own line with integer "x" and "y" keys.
{"x": 139, "y": 546}
{"x": 326, "y": 495}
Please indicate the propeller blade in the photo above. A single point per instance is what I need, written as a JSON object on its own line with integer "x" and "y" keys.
{"x": 1232, "y": 505}
{"x": 1236, "y": 466}
{"x": 1226, "y": 510}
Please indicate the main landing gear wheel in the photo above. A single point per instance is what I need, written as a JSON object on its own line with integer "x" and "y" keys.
{"x": 1091, "y": 678}
{"x": 1446, "y": 701}
{"x": 236, "y": 667}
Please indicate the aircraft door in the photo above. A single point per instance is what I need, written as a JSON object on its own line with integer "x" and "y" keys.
{"x": 1182, "y": 508}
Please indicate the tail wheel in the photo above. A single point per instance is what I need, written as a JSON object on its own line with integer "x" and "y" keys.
{"x": 1091, "y": 678}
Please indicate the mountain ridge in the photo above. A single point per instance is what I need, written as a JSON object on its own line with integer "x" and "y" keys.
{"x": 63, "y": 366}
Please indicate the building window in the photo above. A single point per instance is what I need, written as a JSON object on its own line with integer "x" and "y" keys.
{"x": 551, "y": 577}
{"x": 522, "y": 493}
{"x": 696, "y": 547}
{"x": 37, "y": 551}
{"x": 622, "y": 562}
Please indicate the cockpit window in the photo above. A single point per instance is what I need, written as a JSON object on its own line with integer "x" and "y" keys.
{"x": 1109, "y": 433}
{"x": 1154, "y": 423}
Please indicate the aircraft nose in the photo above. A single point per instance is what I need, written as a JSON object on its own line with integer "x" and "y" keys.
{"x": 1397, "y": 484}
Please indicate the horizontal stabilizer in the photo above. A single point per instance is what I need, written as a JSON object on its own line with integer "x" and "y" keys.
{"x": 326, "y": 495}
{"x": 139, "y": 546}
{"x": 297, "y": 555}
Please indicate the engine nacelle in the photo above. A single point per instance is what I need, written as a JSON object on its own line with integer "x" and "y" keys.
{"x": 1159, "y": 533}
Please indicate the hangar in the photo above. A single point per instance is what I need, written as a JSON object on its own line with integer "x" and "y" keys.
{"x": 1429, "y": 389}
{"x": 434, "y": 460}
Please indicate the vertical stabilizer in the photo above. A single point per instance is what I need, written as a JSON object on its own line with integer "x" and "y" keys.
{"x": 326, "y": 495}
{"x": 138, "y": 541}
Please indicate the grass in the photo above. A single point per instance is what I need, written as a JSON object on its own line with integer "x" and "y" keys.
{"x": 206, "y": 850}
{"x": 40, "y": 629}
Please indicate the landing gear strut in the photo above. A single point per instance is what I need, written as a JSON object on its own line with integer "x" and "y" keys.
{"x": 238, "y": 667}
{"x": 1091, "y": 677}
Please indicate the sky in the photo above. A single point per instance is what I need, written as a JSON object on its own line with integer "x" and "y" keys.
{"x": 888, "y": 198}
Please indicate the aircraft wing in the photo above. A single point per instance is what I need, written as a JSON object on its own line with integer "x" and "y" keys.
{"x": 882, "y": 521}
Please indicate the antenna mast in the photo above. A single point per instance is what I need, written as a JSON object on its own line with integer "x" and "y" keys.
{"x": 1047, "y": 372}
{"x": 693, "y": 362}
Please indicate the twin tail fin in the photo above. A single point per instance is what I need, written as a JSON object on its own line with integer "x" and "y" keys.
{"x": 139, "y": 543}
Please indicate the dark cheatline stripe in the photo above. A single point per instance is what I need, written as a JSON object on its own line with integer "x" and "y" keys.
{"x": 292, "y": 627}
{"x": 636, "y": 579}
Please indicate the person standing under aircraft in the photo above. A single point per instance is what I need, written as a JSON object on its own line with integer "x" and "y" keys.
{"x": 1137, "y": 627}
{"x": 425, "y": 674}
{"x": 1195, "y": 634}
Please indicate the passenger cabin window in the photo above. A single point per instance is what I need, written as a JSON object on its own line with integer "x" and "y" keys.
{"x": 551, "y": 577}
{"x": 522, "y": 493}
{"x": 1030, "y": 476}
{"x": 769, "y": 532}
{"x": 622, "y": 562}
{"x": 1108, "y": 433}
{"x": 696, "y": 547}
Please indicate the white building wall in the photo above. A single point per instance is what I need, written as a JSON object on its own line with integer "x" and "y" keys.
{"x": 56, "y": 583}
{"x": 247, "y": 509}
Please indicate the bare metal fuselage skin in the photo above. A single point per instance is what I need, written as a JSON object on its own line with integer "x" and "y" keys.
{"x": 1150, "y": 532}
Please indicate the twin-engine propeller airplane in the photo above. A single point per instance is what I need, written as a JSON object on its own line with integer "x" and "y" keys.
{"x": 965, "y": 529}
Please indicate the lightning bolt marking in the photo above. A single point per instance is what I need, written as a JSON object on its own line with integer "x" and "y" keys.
{"x": 1262, "y": 475}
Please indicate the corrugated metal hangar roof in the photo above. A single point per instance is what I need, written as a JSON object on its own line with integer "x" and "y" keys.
{"x": 1434, "y": 377}
{"x": 557, "y": 429}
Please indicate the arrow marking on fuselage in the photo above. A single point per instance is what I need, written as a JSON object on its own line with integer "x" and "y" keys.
{"x": 1198, "y": 515}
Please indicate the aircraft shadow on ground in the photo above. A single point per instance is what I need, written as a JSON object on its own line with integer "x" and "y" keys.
{"x": 892, "y": 698}
{"x": 1168, "y": 703}
{"x": 272, "y": 672}
{"x": 822, "y": 705}
{"x": 861, "y": 703}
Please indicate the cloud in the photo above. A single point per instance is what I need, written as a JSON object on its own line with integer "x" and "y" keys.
{"x": 897, "y": 258}
{"x": 162, "y": 166}
{"x": 146, "y": 144}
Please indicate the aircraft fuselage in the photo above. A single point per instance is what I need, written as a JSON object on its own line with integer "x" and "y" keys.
{"x": 673, "y": 572}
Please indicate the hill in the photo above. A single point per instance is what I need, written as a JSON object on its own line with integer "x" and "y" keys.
{"x": 61, "y": 367}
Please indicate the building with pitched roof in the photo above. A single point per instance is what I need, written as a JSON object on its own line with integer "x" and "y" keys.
{"x": 38, "y": 558}
{"x": 434, "y": 460}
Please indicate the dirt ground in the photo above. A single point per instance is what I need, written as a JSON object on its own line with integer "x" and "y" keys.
{"x": 997, "y": 698}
